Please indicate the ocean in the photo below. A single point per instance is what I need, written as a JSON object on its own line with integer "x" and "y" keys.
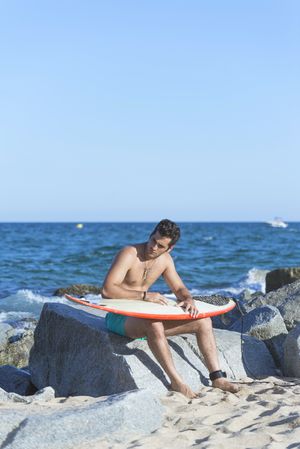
{"x": 223, "y": 258}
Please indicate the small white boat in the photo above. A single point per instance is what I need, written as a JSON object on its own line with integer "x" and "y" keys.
{"x": 277, "y": 223}
{"x": 79, "y": 226}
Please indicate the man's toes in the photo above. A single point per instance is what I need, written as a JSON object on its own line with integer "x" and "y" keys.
{"x": 224, "y": 385}
{"x": 184, "y": 389}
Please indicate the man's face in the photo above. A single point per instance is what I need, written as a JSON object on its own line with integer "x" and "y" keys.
{"x": 157, "y": 245}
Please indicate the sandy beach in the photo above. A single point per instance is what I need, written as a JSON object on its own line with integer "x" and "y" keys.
{"x": 263, "y": 414}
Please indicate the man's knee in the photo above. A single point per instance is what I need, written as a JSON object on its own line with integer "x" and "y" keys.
{"x": 155, "y": 328}
{"x": 204, "y": 325}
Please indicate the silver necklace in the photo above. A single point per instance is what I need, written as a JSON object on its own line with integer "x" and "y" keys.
{"x": 148, "y": 268}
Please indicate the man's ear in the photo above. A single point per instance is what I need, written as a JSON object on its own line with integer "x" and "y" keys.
{"x": 170, "y": 248}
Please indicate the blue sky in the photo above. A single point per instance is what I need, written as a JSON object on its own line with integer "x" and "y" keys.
{"x": 140, "y": 110}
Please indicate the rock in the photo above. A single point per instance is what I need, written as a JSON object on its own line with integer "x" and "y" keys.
{"x": 221, "y": 321}
{"x": 240, "y": 355}
{"x": 292, "y": 353}
{"x": 15, "y": 345}
{"x": 286, "y": 299}
{"x": 280, "y": 277}
{"x": 3, "y": 395}
{"x": 78, "y": 290}
{"x": 276, "y": 348}
{"x": 5, "y": 330}
{"x": 247, "y": 300}
{"x": 75, "y": 354}
{"x": 16, "y": 380}
{"x": 263, "y": 323}
{"x": 44, "y": 395}
{"x": 226, "y": 320}
{"x": 12, "y": 397}
{"x": 84, "y": 424}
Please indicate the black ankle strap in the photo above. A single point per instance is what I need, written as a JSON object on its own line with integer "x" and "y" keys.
{"x": 217, "y": 374}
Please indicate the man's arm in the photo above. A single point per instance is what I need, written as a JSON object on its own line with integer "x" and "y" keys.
{"x": 182, "y": 294}
{"x": 112, "y": 286}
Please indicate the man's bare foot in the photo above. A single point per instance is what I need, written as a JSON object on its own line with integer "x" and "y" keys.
{"x": 225, "y": 385}
{"x": 183, "y": 389}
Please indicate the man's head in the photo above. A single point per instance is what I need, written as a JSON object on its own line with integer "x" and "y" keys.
{"x": 164, "y": 236}
{"x": 168, "y": 228}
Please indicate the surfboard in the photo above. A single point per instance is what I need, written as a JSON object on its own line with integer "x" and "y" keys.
{"x": 207, "y": 306}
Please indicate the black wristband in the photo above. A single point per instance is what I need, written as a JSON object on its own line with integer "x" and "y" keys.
{"x": 217, "y": 374}
{"x": 144, "y": 296}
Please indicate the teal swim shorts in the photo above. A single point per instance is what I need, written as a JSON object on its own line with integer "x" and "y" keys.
{"x": 116, "y": 323}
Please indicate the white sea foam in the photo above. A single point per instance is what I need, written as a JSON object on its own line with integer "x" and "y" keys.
{"x": 254, "y": 281}
{"x": 94, "y": 299}
{"x": 6, "y": 317}
{"x": 29, "y": 296}
{"x": 26, "y": 302}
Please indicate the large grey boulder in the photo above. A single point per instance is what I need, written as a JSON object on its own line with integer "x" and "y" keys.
{"x": 82, "y": 423}
{"x": 287, "y": 301}
{"x": 292, "y": 353}
{"x": 280, "y": 277}
{"x": 75, "y": 354}
{"x": 16, "y": 380}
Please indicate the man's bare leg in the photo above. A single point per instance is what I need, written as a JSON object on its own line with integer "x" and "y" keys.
{"x": 157, "y": 341}
{"x": 158, "y": 344}
{"x": 206, "y": 343}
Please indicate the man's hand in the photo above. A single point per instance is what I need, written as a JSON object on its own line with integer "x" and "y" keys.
{"x": 189, "y": 306}
{"x": 156, "y": 298}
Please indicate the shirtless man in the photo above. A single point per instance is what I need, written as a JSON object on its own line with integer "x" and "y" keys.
{"x": 133, "y": 271}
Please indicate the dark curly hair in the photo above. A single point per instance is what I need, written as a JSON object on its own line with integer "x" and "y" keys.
{"x": 168, "y": 228}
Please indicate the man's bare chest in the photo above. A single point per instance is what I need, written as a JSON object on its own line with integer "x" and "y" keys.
{"x": 144, "y": 274}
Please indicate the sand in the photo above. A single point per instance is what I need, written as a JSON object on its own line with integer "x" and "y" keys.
{"x": 263, "y": 414}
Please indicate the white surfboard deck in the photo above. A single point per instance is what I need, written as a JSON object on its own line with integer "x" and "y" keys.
{"x": 150, "y": 310}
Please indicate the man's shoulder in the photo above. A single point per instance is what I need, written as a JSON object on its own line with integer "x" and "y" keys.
{"x": 167, "y": 258}
{"x": 129, "y": 251}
